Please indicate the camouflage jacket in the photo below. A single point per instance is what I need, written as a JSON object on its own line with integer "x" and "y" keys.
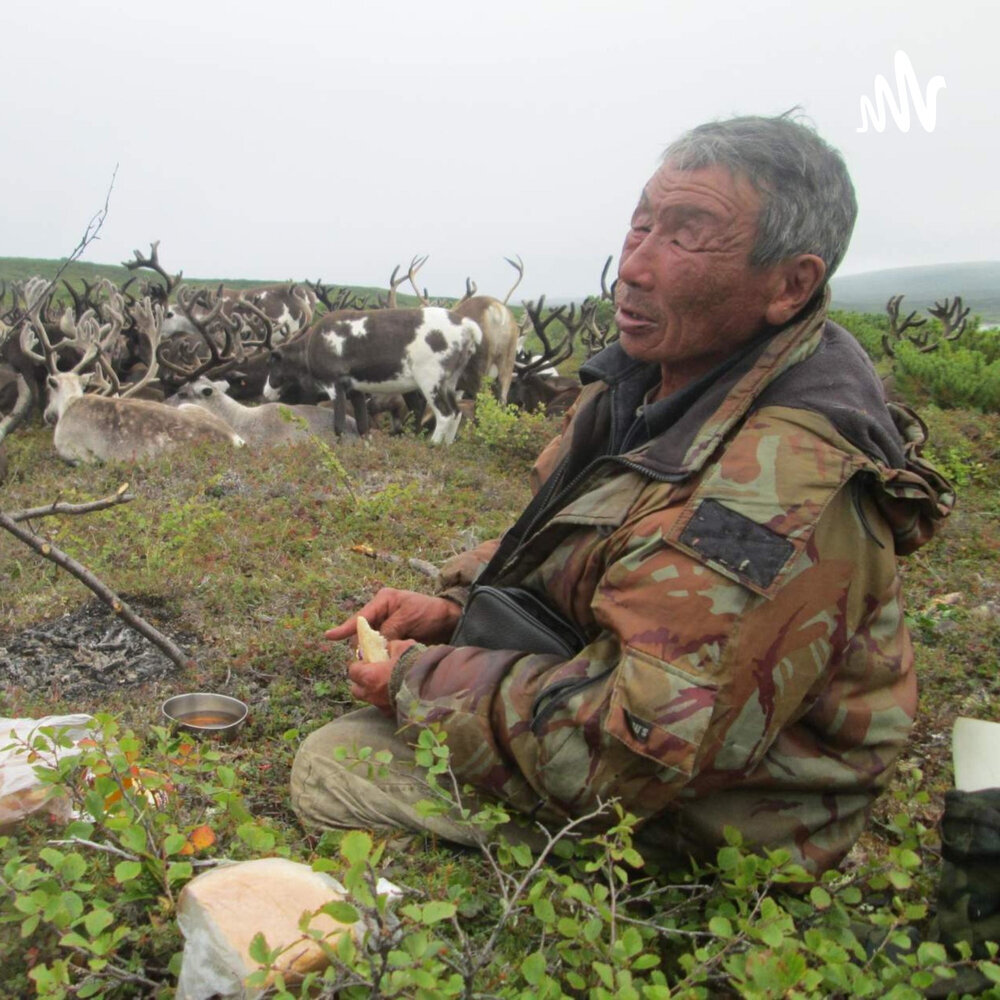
{"x": 748, "y": 663}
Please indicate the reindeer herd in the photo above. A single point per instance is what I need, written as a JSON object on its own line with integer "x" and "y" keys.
{"x": 128, "y": 372}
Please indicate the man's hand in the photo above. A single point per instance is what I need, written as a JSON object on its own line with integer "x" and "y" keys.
{"x": 404, "y": 614}
{"x": 370, "y": 681}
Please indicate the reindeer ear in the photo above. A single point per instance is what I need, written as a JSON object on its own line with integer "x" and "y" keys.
{"x": 86, "y": 378}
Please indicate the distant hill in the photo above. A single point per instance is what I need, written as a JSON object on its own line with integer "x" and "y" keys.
{"x": 977, "y": 283}
{"x": 19, "y": 268}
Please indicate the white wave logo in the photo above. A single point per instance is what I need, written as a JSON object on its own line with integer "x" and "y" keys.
{"x": 898, "y": 103}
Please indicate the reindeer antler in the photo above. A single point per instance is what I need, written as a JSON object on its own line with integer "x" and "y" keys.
{"x": 219, "y": 361}
{"x": 519, "y": 267}
{"x": 148, "y": 318}
{"x": 897, "y": 328}
{"x": 171, "y": 281}
{"x": 470, "y": 289}
{"x": 415, "y": 265}
{"x": 952, "y": 316}
{"x": 552, "y": 353}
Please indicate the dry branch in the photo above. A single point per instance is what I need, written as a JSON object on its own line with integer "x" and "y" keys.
{"x": 121, "y": 496}
{"x": 91, "y": 233}
{"x": 49, "y": 551}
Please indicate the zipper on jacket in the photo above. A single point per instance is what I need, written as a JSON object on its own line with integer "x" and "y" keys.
{"x": 556, "y": 695}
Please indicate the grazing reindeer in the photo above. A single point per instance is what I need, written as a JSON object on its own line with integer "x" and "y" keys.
{"x": 381, "y": 352}
{"x": 260, "y": 426}
{"x": 92, "y": 428}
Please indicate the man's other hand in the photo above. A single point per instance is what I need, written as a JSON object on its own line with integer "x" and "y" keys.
{"x": 370, "y": 681}
{"x": 404, "y": 614}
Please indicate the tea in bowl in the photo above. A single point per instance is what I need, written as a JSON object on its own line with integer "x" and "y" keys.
{"x": 206, "y": 714}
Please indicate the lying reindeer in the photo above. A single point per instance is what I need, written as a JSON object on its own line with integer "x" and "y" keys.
{"x": 381, "y": 352}
{"x": 260, "y": 426}
{"x": 98, "y": 428}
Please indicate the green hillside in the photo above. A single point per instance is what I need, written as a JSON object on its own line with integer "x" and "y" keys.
{"x": 978, "y": 284}
{"x": 19, "y": 268}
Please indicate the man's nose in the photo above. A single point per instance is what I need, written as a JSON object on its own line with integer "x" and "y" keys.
{"x": 634, "y": 267}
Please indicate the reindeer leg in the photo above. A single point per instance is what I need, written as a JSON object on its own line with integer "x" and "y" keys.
{"x": 360, "y": 406}
{"x": 416, "y": 403}
{"x": 339, "y": 413}
{"x": 444, "y": 403}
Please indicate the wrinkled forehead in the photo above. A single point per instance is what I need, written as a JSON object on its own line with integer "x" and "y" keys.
{"x": 713, "y": 191}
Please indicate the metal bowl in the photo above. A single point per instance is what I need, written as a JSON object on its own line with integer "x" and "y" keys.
{"x": 206, "y": 714}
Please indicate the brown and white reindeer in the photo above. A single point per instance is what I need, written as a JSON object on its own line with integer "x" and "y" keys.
{"x": 381, "y": 352}
{"x": 495, "y": 356}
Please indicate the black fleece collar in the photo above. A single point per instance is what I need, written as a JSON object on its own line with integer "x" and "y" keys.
{"x": 835, "y": 378}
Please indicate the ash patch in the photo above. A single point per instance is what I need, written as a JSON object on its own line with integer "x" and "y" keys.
{"x": 84, "y": 652}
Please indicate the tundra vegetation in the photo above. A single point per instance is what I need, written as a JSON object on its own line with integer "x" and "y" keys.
{"x": 245, "y": 557}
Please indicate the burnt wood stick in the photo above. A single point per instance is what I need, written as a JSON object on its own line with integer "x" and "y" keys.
{"x": 49, "y": 551}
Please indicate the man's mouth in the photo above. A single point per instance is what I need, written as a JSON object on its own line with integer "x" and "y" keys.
{"x": 632, "y": 320}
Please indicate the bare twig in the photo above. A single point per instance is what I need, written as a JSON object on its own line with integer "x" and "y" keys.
{"x": 90, "y": 233}
{"x": 107, "y": 848}
{"x": 48, "y": 551}
{"x": 121, "y": 496}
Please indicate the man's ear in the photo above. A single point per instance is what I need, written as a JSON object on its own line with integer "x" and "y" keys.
{"x": 796, "y": 281}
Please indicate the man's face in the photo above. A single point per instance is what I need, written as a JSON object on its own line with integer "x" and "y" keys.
{"x": 687, "y": 295}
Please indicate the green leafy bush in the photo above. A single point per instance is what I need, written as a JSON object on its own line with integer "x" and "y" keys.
{"x": 982, "y": 341}
{"x": 952, "y": 376}
{"x": 585, "y": 916}
{"x": 582, "y": 916}
{"x": 507, "y": 430}
{"x": 97, "y": 903}
{"x": 868, "y": 328}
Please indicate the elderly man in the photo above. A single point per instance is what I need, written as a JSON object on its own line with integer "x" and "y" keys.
{"x": 714, "y": 542}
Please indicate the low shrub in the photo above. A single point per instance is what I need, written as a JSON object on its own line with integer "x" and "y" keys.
{"x": 508, "y": 430}
{"x": 868, "y": 328}
{"x": 952, "y": 377}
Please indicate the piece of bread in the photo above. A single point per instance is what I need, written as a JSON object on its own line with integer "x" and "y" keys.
{"x": 221, "y": 911}
{"x": 371, "y": 644}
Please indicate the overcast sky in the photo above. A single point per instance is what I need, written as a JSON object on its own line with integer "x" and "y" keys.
{"x": 336, "y": 139}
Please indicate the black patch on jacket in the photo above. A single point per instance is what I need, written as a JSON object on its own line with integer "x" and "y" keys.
{"x": 734, "y": 541}
{"x": 639, "y": 729}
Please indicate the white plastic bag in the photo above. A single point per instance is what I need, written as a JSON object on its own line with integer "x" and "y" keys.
{"x": 21, "y": 791}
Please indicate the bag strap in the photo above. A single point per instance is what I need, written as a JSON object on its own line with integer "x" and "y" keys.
{"x": 523, "y": 525}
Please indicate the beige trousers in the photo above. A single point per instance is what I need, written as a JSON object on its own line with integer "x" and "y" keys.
{"x": 351, "y": 794}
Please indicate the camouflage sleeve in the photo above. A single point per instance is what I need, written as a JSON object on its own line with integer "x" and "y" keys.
{"x": 740, "y": 634}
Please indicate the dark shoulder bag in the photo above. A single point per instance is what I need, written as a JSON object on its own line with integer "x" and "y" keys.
{"x": 516, "y": 618}
{"x": 497, "y": 617}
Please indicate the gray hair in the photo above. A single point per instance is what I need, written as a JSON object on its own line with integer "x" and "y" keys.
{"x": 807, "y": 198}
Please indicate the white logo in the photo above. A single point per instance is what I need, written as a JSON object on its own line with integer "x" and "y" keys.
{"x": 907, "y": 89}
